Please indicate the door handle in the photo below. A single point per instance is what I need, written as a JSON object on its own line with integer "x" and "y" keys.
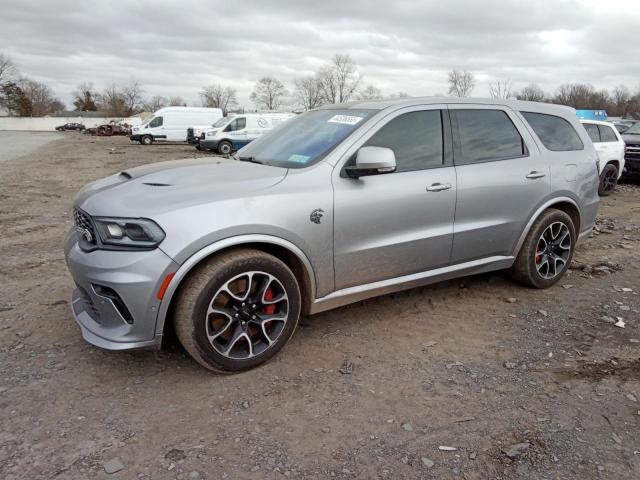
{"x": 536, "y": 174}
{"x": 438, "y": 187}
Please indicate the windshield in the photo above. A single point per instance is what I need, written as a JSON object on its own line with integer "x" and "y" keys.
{"x": 634, "y": 129}
{"x": 221, "y": 123}
{"x": 304, "y": 140}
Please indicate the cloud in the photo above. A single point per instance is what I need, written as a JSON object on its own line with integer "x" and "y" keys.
{"x": 174, "y": 48}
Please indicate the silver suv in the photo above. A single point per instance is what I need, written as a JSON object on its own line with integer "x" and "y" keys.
{"x": 337, "y": 205}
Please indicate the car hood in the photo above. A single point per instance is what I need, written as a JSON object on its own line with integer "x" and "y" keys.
{"x": 153, "y": 189}
{"x": 631, "y": 138}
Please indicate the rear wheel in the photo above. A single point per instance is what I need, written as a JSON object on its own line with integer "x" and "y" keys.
{"x": 237, "y": 310}
{"x": 146, "y": 140}
{"x": 608, "y": 180}
{"x": 225, "y": 147}
{"x": 547, "y": 250}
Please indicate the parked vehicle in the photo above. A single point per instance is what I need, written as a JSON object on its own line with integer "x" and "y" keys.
{"x": 621, "y": 127}
{"x": 632, "y": 151}
{"x": 610, "y": 148}
{"x": 111, "y": 129}
{"x": 232, "y": 133}
{"x": 335, "y": 206}
{"x": 70, "y": 126}
{"x": 171, "y": 124}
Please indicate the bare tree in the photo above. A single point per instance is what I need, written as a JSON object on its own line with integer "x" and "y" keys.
{"x": 531, "y": 93}
{"x": 308, "y": 92}
{"x": 461, "y": 83}
{"x": 177, "y": 102}
{"x": 132, "y": 97}
{"x": 399, "y": 95}
{"x": 620, "y": 97}
{"x": 370, "y": 93}
{"x": 8, "y": 70}
{"x": 339, "y": 79}
{"x": 85, "y": 98}
{"x": 219, "y": 96}
{"x": 268, "y": 93}
{"x": 41, "y": 97}
{"x": 154, "y": 103}
{"x": 112, "y": 102}
{"x": 14, "y": 100}
{"x": 500, "y": 89}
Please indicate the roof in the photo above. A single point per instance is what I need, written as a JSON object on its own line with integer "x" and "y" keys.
{"x": 597, "y": 122}
{"x": 411, "y": 101}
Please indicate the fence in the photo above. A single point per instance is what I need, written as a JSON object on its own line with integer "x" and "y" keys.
{"x": 44, "y": 124}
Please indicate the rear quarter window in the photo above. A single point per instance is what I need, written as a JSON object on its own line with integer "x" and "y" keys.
{"x": 557, "y": 134}
{"x": 592, "y": 130}
{"x": 607, "y": 134}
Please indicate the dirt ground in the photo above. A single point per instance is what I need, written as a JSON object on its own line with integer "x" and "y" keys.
{"x": 476, "y": 378}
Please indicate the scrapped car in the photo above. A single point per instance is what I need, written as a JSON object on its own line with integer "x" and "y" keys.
{"x": 112, "y": 129}
{"x": 337, "y": 205}
{"x": 610, "y": 148}
{"x": 70, "y": 126}
{"x": 631, "y": 139}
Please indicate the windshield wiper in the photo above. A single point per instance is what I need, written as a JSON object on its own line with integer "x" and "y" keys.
{"x": 250, "y": 159}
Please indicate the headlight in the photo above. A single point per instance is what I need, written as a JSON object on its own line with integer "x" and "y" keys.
{"x": 211, "y": 134}
{"x": 129, "y": 232}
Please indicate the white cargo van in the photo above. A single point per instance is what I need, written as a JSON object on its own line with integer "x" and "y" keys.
{"x": 233, "y": 133}
{"x": 170, "y": 124}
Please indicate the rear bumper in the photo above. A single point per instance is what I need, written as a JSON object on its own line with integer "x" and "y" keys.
{"x": 129, "y": 320}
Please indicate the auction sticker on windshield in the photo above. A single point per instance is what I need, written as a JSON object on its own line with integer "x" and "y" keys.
{"x": 345, "y": 119}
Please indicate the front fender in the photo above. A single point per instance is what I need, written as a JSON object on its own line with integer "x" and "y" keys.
{"x": 197, "y": 257}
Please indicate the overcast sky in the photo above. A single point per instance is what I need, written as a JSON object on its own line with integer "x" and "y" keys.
{"x": 174, "y": 48}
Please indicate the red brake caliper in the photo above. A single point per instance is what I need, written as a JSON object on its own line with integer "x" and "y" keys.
{"x": 271, "y": 308}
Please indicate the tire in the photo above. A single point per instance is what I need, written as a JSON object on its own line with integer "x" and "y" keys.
{"x": 225, "y": 147}
{"x": 146, "y": 140}
{"x": 608, "y": 180}
{"x": 238, "y": 343}
{"x": 529, "y": 267}
{"x": 198, "y": 147}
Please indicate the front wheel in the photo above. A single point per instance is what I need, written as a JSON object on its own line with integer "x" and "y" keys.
{"x": 237, "y": 310}
{"x": 224, "y": 147}
{"x": 547, "y": 250}
{"x": 608, "y": 180}
{"x": 146, "y": 140}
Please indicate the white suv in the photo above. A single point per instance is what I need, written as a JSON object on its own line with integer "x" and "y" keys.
{"x": 610, "y": 148}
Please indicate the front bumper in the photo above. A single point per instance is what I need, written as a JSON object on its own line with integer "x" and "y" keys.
{"x": 129, "y": 320}
{"x": 209, "y": 144}
{"x": 135, "y": 137}
{"x": 632, "y": 160}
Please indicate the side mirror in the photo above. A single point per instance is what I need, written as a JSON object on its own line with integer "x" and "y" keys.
{"x": 372, "y": 161}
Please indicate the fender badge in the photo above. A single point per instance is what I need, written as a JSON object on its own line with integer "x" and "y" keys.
{"x": 316, "y": 215}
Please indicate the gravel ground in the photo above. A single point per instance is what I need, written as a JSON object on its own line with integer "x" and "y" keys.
{"x": 476, "y": 378}
{"x": 18, "y": 144}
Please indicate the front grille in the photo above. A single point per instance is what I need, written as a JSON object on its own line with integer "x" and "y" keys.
{"x": 189, "y": 133}
{"x": 202, "y": 136}
{"x": 632, "y": 152}
{"x": 84, "y": 225}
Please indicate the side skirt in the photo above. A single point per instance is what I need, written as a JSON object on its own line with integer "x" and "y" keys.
{"x": 391, "y": 285}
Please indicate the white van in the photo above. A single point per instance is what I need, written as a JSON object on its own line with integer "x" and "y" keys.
{"x": 233, "y": 133}
{"x": 170, "y": 124}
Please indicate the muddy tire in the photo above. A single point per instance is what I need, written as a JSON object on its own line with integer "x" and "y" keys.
{"x": 225, "y": 147}
{"x": 237, "y": 310}
{"x": 608, "y": 180}
{"x": 547, "y": 251}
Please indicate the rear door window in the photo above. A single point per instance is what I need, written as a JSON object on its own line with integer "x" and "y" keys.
{"x": 486, "y": 135}
{"x": 592, "y": 130}
{"x": 554, "y": 132}
{"x": 415, "y": 138}
{"x": 607, "y": 134}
